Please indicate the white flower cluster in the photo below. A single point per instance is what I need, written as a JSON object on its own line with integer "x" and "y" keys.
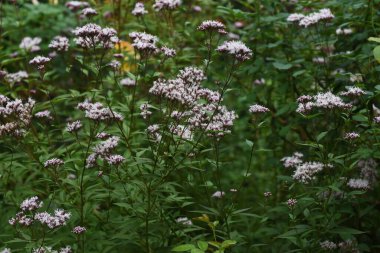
{"x": 144, "y": 108}
{"x": 344, "y": 31}
{"x": 212, "y": 25}
{"x": 79, "y": 230}
{"x": 160, "y": 5}
{"x": 144, "y": 42}
{"x": 328, "y": 245}
{"x": 184, "y": 221}
{"x": 46, "y": 249}
{"x": 218, "y": 194}
{"x": 54, "y": 162}
{"x": 291, "y": 203}
{"x": 153, "y": 131}
{"x": 139, "y": 9}
{"x": 28, "y": 215}
{"x": 181, "y": 131}
{"x": 96, "y": 111}
{"x": 128, "y": 82}
{"x": 88, "y": 12}
{"x": 59, "y": 43}
{"x": 185, "y": 89}
{"x": 44, "y": 114}
{"x": 358, "y": 183}
{"x": 15, "y": 116}
{"x": 39, "y": 62}
{"x": 168, "y": 52}
{"x": 59, "y": 218}
{"x": 17, "y": 77}
{"x": 368, "y": 175}
{"x": 237, "y": 49}
{"x": 368, "y": 170}
{"x": 30, "y": 44}
{"x": 74, "y": 126}
{"x": 356, "y": 78}
{"x": 304, "y": 171}
{"x": 312, "y": 18}
{"x": 76, "y": 5}
{"x": 31, "y": 204}
{"x": 292, "y": 161}
{"x": 258, "y": 109}
{"x": 91, "y": 35}
{"x": 104, "y": 150}
{"x": 114, "y": 64}
{"x": 351, "y": 136}
{"x": 102, "y": 135}
{"x": 352, "y": 92}
{"x": 321, "y": 100}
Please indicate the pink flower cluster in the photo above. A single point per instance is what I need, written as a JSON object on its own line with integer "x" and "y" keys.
{"x": 144, "y": 42}
{"x": 91, "y": 35}
{"x": 96, "y": 111}
{"x": 59, "y": 43}
{"x": 237, "y": 49}
{"x": 326, "y": 100}
{"x": 139, "y": 9}
{"x": 311, "y": 19}
{"x": 185, "y": 89}
{"x": 104, "y": 150}
{"x": 15, "y": 116}
{"x": 160, "y": 5}
{"x": 28, "y": 215}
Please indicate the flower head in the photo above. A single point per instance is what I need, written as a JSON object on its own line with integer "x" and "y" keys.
{"x": 139, "y": 9}
{"x": 237, "y": 49}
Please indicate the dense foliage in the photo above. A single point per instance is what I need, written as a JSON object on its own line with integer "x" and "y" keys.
{"x": 189, "y": 126}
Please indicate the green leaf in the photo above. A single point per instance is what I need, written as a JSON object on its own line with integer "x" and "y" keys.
{"x": 228, "y": 243}
{"x": 249, "y": 143}
{"x": 374, "y": 39}
{"x": 376, "y": 53}
{"x": 321, "y": 136}
{"x": 282, "y": 66}
{"x": 202, "y": 245}
{"x": 197, "y": 251}
{"x": 184, "y": 247}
